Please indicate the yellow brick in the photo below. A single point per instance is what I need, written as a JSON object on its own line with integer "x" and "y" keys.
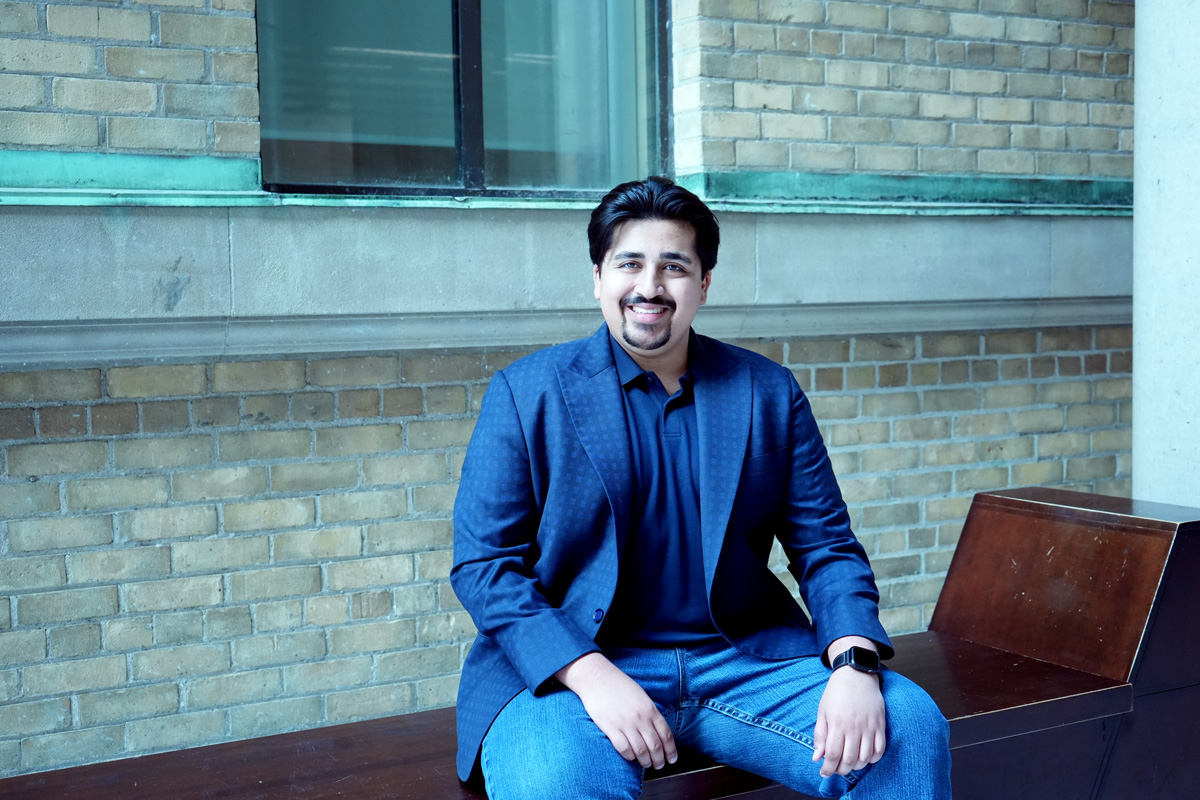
{"x": 114, "y": 96}
{"x": 325, "y": 611}
{"x": 56, "y": 459}
{"x": 821, "y": 156}
{"x": 939, "y": 106}
{"x": 276, "y": 716}
{"x": 857, "y": 73}
{"x": 445, "y": 627}
{"x": 888, "y": 459}
{"x": 20, "y": 91}
{"x": 886, "y": 159}
{"x": 146, "y": 63}
{"x": 372, "y": 637}
{"x": 104, "y": 493}
{"x": 318, "y": 545}
{"x": 58, "y": 534}
{"x": 88, "y": 22}
{"x": 368, "y": 371}
{"x": 121, "y": 705}
{"x": 314, "y": 476}
{"x": 437, "y": 692}
{"x": 949, "y": 508}
{"x": 274, "y": 582}
{"x": 761, "y": 154}
{"x": 793, "y": 11}
{"x": 160, "y": 453}
{"x": 206, "y": 31}
{"x": 363, "y": 439}
{"x": 358, "y": 404}
{"x": 137, "y": 133}
{"x": 257, "y": 376}
{"x": 859, "y": 433}
{"x": 210, "y": 102}
{"x": 436, "y": 434}
{"x": 168, "y": 523}
{"x": 263, "y": 445}
{"x": 66, "y": 605}
{"x": 236, "y": 137}
{"x": 409, "y": 536}
{"x": 175, "y": 732}
{"x": 220, "y": 555}
{"x": 326, "y": 675}
{"x": 364, "y": 505}
{"x": 282, "y": 648}
{"x": 216, "y": 484}
{"x": 63, "y": 749}
{"x": 753, "y": 36}
{"x": 179, "y": 662}
{"x": 164, "y": 381}
{"x": 1006, "y": 449}
{"x": 46, "y": 58}
{"x": 280, "y": 615}
{"x": 370, "y": 572}
{"x": 368, "y": 703}
{"x": 267, "y": 514}
{"x": 174, "y": 593}
{"x": 120, "y": 564}
{"x": 41, "y": 716}
{"x": 236, "y": 688}
{"x": 18, "y": 17}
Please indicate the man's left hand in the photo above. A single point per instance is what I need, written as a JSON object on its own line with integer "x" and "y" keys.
{"x": 851, "y": 729}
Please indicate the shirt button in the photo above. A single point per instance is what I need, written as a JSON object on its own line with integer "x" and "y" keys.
{"x": 597, "y": 615}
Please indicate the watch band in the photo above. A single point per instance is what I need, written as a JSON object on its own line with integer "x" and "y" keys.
{"x": 859, "y": 658}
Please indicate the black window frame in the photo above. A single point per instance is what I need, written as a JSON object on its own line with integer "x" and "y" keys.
{"x": 468, "y": 119}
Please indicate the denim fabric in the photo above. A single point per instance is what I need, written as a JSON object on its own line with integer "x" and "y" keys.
{"x": 738, "y": 709}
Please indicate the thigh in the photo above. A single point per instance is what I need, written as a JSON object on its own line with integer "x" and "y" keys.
{"x": 548, "y": 748}
{"x": 759, "y": 715}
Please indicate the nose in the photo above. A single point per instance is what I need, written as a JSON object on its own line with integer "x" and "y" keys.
{"x": 649, "y": 283}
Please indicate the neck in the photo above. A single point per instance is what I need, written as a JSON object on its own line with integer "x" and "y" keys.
{"x": 668, "y": 370}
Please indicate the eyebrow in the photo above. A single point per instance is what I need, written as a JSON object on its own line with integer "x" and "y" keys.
{"x": 668, "y": 255}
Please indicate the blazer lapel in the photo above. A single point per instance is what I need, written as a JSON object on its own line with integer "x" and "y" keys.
{"x": 723, "y": 406}
{"x": 592, "y": 394}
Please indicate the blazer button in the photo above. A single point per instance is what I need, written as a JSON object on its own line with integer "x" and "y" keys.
{"x": 597, "y": 615}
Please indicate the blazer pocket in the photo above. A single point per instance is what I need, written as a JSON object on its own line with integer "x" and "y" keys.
{"x": 770, "y": 461}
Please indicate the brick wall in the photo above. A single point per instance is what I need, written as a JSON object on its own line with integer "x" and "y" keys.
{"x": 193, "y": 553}
{"x": 141, "y": 76}
{"x": 997, "y": 87}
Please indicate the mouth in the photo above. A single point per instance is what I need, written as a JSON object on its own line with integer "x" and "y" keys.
{"x": 646, "y": 310}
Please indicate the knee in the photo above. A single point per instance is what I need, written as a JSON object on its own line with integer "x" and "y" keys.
{"x": 914, "y": 720}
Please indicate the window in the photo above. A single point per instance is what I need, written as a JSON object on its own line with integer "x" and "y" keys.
{"x": 460, "y": 96}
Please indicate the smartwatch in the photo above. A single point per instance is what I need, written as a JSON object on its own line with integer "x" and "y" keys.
{"x": 859, "y": 658}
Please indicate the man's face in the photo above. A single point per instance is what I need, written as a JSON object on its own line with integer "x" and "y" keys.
{"x": 649, "y": 287}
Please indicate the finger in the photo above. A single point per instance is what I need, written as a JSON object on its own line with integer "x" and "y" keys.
{"x": 834, "y": 747}
{"x": 639, "y": 748}
{"x": 819, "y": 732}
{"x": 849, "y": 756}
{"x": 670, "y": 751}
{"x": 654, "y": 749}
{"x": 880, "y": 746}
{"x": 866, "y": 751}
{"x": 621, "y": 744}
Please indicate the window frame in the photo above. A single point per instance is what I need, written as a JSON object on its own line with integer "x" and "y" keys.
{"x": 468, "y": 119}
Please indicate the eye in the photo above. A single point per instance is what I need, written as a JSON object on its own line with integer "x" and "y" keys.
{"x": 628, "y": 265}
{"x": 675, "y": 268}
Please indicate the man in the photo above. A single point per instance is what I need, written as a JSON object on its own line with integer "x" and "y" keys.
{"x": 618, "y": 505}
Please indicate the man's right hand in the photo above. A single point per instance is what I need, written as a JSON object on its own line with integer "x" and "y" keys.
{"x": 621, "y": 710}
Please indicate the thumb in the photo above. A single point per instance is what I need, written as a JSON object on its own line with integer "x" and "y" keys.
{"x": 819, "y": 733}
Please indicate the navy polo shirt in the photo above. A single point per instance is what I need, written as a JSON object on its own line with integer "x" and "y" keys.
{"x": 660, "y": 599}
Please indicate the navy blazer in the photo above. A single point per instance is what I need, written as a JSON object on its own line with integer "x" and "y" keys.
{"x": 544, "y": 506}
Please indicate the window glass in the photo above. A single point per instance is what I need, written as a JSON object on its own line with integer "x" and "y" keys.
{"x": 377, "y": 94}
{"x": 561, "y": 93}
{"x": 358, "y": 93}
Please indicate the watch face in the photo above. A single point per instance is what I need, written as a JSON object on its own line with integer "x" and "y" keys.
{"x": 862, "y": 657}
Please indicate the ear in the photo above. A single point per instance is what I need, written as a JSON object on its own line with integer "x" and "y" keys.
{"x": 596, "y": 281}
{"x": 704, "y": 282}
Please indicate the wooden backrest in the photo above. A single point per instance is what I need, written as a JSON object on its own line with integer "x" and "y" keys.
{"x": 1063, "y": 577}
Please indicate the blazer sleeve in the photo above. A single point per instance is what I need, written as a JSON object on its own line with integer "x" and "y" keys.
{"x": 826, "y": 559}
{"x": 496, "y": 520}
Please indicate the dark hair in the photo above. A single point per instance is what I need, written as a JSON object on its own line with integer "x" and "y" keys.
{"x": 653, "y": 198}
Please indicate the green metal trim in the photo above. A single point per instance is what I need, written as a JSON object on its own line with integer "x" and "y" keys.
{"x": 46, "y": 178}
{"x": 48, "y": 170}
{"x": 822, "y": 193}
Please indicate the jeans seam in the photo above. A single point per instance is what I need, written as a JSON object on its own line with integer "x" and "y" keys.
{"x": 853, "y": 777}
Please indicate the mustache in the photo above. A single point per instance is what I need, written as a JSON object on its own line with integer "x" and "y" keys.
{"x": 639, "y": 300}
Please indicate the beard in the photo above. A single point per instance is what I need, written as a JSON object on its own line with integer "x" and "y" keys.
{"x": 642, "y": 336}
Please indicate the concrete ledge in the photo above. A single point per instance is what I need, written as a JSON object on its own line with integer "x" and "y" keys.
{"x": 33, "y": 345}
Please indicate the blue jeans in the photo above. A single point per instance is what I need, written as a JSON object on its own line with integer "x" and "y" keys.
{"x": 737, "y": 709}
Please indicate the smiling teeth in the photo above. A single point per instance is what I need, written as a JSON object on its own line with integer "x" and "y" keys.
{"x": 647, "y": 311}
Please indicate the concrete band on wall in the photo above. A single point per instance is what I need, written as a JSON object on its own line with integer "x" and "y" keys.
{"x": 126, "y": 283}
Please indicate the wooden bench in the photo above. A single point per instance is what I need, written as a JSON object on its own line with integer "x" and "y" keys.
{"x": 1062, "y": 651}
